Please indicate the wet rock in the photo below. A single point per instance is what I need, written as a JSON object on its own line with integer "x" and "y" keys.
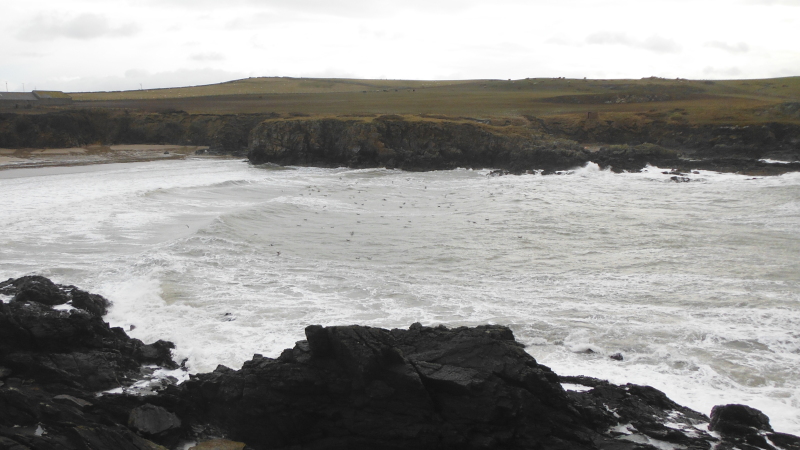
{"x": 617, "y": 357}
{"x": 738, "y": 420}
{"x": 151, "y": 420}
{"x": 785, "y": 441}
{"x": 94, "y": 303}
{"x": 342, "y": 387}
{"x": 34, "y": 288}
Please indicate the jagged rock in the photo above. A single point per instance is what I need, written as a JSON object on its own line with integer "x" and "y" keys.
{"x": 94, "y": 303}
{"x": 34, "y": 288}
{"x": 74, "y": 347}
{"x": 343, "y": 387}
{"x": 390, "y": 141}
{"x": 151, "y": 420}
{"x": 738, "y": 420}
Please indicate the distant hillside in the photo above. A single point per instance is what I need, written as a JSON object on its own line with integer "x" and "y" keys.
{"x": 649, "y": 100}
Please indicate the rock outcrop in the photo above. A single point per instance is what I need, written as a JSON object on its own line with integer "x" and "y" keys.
{"x": 345, "y": 387}
{"x": 426, "y": 142}
{"x": 392, "y": 142}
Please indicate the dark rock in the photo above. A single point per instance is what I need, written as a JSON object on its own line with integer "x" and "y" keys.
{"x": 617, "y": 357}
{"x": 738, "y": 420}
{"x": 409, "y": 145}
{"x": 68, "y": 399}
{"x": 95, "y": 304}
{"x": 785, "y": 441}
{"x": 75, "y": 348}
{"x": 343, "y": 387}
{"x": 35, "y": 288}
{"x": 151, "y": 420}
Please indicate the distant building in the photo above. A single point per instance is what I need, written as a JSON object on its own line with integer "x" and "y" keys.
{"x": 591, "y": 115}
{"x": 31, "y": 99}
{"x": 53, "y": 97}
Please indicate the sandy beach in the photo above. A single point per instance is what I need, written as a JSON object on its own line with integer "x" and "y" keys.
{"x": 93, "y": 154}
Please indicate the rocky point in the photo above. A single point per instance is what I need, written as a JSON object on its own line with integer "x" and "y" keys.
{"x": 67, "y": 381}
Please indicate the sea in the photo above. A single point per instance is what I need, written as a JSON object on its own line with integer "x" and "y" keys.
{"x": 695, "y": 284}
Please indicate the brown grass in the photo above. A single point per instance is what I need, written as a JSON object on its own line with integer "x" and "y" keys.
{"x": 691, "y": 101}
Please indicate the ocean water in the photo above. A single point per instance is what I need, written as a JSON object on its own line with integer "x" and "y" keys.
{"x": 696, "y": 284}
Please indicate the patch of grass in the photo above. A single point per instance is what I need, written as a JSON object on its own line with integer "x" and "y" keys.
{"x": 741, "y": 102}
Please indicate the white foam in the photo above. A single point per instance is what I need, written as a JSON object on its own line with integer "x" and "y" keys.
{"x": 776, "y": 161}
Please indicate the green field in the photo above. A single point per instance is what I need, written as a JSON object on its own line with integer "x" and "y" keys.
{"x": 646, "y": 100}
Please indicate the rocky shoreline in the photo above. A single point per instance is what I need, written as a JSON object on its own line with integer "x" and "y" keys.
{"x": 421, "y": 143}
{"x": 70, "y": 381}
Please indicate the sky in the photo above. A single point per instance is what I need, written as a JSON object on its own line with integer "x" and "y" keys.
{"x": 100, "y": 45}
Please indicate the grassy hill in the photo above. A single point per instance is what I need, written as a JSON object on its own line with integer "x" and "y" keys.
{"x": 740, "y": 102}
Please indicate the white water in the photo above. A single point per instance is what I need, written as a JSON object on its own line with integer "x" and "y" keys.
{"x": 696, "y": 284}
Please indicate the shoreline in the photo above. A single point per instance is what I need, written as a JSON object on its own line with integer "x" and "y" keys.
{"x": 31, "y": 158}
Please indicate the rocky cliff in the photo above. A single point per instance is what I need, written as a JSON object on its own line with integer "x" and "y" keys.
{"x": 425, "y": 143}
{"x": 346, "y": 387}
{"x": 393, "y": 142}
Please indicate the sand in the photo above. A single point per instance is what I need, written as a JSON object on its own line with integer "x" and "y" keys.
{"x": 93, "y": 154}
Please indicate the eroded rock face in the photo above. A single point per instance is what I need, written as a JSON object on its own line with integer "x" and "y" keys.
{"x": 390, "y": 141}
{"x": 75, "y": 348}
{"x": 429, "y": 388}
{"x": 341, "y": 388}
{"x": 52, "y": 363}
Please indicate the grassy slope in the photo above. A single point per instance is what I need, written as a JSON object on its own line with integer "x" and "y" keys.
{"x": 740, "y": 102}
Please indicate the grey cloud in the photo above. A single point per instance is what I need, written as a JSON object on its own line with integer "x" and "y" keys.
{"x": 84, "y": 26}
{"x": 741, "y": 47}
{"x": 209, "y": 56}
{"x": 654, "y": 43}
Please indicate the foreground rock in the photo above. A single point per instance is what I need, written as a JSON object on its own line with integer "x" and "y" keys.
{"x": 344, "y": 387}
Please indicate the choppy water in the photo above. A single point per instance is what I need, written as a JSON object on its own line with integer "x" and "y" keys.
{"x": 696, "y": 284}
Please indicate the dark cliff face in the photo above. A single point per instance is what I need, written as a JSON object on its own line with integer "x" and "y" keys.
{"x": 719, "y": 141}
{"x": 226, "y": 134}
{"x": 438, "y": 145}
{"x": 410, "y": 145}
{"x": 532, "y": 143}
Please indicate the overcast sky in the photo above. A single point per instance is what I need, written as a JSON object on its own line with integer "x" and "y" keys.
{"x": 90, "y": 45}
